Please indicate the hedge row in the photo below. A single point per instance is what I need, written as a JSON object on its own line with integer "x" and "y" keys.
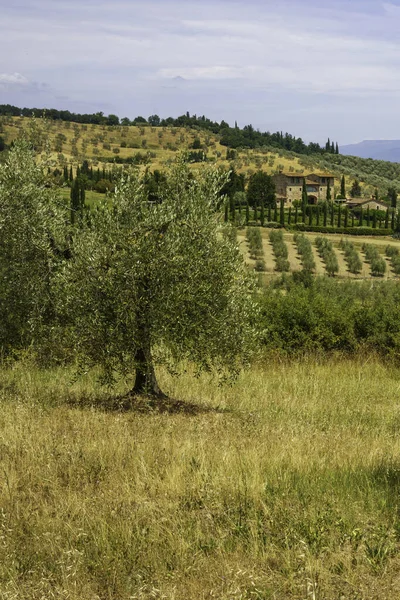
{"x": 280, "y": 251}
{"x": 393, "y": 253}
{"x": 343, "y": 230}
{"x": 325, "y": 315}
{"x": 351, "y": 256}
{"x": 327, "y": 253}
{"x": 255, "y": 247}
{"x": 304, "y": 249}
{"x": 377, "y": 263}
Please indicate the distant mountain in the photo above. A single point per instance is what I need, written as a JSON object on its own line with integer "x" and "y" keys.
{"x": 378, "y": 149}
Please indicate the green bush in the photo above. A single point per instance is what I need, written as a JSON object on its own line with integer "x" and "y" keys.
{"x": 304, "y": 249}
{"x": 348, "y": 231}
{"x": 322, "y": 315}
{"x": 328, "y": 255}
{"x": 352, "y": 257}
{"x": 255, "y": 242}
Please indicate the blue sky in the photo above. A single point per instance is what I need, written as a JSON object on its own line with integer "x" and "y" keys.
{"x": 315, "y": 69}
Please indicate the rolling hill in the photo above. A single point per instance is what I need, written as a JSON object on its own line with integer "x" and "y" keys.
{"x": 388, "y": 150}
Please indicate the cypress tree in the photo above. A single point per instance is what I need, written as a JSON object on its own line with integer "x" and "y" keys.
{"x": 352, "y": 219}
{"x": 339, "y": 217}
{"x": 304, "y": 198}
{"x": 82, "y": 199}
{"x": 387, "y": 219}
{"x": 255, "y": 215}
{"x": 361, "y": 220}
{"x": 232, "y": 207}
{"x": 296, "y": 214}
{"x": 374, "y": 219}
{"x": 343, "y": 187}
{"x": 247, "y": 213}
{"x": 78, "y": 172}
{"x": 368, "y": 217}
{"x": 269, "y": 213}
{"x": 71, "y": 174}
{"x": 333, "y": 148}
{"x": 346, "y": 217}
{"x": 325, "y": 214}
{"x": 75, "y": 202}
{"x": 289, "y": 215}
{"x": 328, "y": 191}
{"x": 332, "y": 215}
{"x": 337, "y": 149}
{"x": 318, "y": 215}
{"x": 65, "y": 174}
{"x": 393, "y": 219}
{"x": 262, "y": 213}
{"x": 276, "y": 213}
{"x": 310, "y": 215}
{"x": 281, "y": 213}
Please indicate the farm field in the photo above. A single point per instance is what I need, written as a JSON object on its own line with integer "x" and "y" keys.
{"x": 295, "y": 262}
{"x": 283, "y": 486}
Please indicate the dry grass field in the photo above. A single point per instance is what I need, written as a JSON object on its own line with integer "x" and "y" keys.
{"x": 284, "y": 486}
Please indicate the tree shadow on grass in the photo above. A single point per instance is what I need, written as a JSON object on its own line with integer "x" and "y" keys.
{"x": 143, "y": 404}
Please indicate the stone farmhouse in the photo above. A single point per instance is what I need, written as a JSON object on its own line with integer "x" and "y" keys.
{"x": 365, "y": 203}
{"x": 289, "y": 187}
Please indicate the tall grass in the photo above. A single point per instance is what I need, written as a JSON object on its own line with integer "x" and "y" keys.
{"x": 282, "y": 486}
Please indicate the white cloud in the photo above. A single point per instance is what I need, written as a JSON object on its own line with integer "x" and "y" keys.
{"x": 13, "y": 80}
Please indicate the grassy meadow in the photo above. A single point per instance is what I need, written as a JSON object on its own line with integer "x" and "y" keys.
{"x": 285, "y": 485}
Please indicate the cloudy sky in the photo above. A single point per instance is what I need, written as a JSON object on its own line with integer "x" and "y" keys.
{"x": 313, "y": 68}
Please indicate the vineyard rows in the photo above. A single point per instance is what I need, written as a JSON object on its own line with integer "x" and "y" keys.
{"x": 273, "y": 252}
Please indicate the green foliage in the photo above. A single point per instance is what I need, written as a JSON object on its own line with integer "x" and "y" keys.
{"x": 304, "y": 249}
{"x": 352, "y": 257}
{"x": 32, "y": 222}
{"x": 377, "y": 263}
{"x": 328, "y": 255}
{"x": 280, "y": 251}
{"x": 392, "y": 196}
{"x": 343, "y": 187}
{"x": 355, "y": 191}
{"x": 255, "y": 242}
{"x": 261, "y": 190}
{"x": 329, "y": 316}
{"x": 358, "y": 231}
{"x": 156, "y": 281}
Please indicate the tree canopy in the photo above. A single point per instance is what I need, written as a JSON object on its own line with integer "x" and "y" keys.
{"x": 32, "y": 223}
{"x": 153, "y": 282}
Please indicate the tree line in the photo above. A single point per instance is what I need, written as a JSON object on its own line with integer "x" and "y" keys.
{"x": 232, "y": 137}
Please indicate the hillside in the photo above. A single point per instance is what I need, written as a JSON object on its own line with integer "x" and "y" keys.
{"x": 388, "y": 150}
{"x": 72, "y": 143}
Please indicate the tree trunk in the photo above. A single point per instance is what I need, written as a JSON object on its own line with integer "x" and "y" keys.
{"x": 146, "y": 380}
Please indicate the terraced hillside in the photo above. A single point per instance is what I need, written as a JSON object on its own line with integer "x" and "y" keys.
{"x": 345, "y": 252}
{"x": 72, "y": 143}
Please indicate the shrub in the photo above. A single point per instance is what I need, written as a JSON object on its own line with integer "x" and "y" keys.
{"x": 327, "y": 253}
{"x": 352, "y": 257}
{"x": 377, "y": 263}
{"x": 255, "y": 242}
{"x": 304, "y": 249}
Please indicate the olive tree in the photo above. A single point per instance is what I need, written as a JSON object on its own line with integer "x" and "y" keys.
{"x": 31, "y": 230}
{"x": 158, "y": 282}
